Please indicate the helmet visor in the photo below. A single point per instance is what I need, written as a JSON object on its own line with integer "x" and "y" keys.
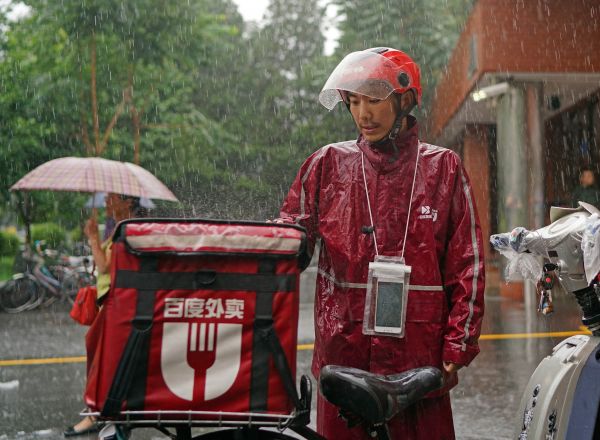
{"x": 364, "y": 73}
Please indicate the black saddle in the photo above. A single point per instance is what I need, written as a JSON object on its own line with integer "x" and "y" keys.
{"x": 374, "y": 397}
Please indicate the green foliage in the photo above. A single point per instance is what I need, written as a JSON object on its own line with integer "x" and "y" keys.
{"x": 425, "y": 29}
{"x": 53, "y": 234}
{"x": 75, "y": 235}
{"x": 226, "y": 110}
{"x": 6, "y": 267}
{"x": 154, "y": 51}
{"x": 9, "y": 244}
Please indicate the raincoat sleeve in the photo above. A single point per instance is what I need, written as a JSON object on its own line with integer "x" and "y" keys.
{"x": 463, "y": 273}
{"x": 301, "y": 204}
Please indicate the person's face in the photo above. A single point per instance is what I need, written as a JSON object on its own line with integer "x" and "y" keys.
{"x": 586, "y": 179}
{"x": 373, "y": 117}
{"x": 117, "y": 208}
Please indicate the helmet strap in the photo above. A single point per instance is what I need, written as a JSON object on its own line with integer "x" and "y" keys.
{"x": 398, "y": 122}
{"x": 395, "y": 130}
{"x": 393, "y": 133}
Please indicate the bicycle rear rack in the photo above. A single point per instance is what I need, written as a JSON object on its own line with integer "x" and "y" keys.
{"x": 199, "y": 418}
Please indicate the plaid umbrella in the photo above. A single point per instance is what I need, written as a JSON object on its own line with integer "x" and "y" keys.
{"x": 94, "y": 174}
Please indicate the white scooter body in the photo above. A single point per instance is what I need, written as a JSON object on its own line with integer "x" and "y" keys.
{"x": 560, "y": 401}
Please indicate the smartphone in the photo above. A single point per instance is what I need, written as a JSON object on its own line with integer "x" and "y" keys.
{"x": 388, "y": 306}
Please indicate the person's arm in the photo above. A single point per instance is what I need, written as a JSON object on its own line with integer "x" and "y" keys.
{"x": 101, "y": 258}
{"x": 301, "y": 204}
{"x": 464, "y": 276}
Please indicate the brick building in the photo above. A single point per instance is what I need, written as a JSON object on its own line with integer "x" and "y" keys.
{"x": 520, "y": 103}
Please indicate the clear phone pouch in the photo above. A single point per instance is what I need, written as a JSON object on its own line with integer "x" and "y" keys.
{"x": 387, "y": 292}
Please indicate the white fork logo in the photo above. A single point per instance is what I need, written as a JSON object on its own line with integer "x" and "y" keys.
{"x": 220, "y": 376}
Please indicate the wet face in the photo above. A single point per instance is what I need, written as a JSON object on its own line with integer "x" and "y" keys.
{"x": 118, "y": 208}
{"x": 373, "y": 117}
{"x": 587, "y": 178}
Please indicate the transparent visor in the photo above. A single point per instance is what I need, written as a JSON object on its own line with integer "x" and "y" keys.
{"x": 364, "y": 73}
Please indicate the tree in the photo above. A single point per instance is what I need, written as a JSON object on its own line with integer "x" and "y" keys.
{"x": 100, "y": 77}
{"x": 221, "y": 111}
{"x": 276, "y": 108}
{"x": 426, "y": 29}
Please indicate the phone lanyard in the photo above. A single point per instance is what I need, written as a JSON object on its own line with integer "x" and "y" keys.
{"x": 362, "y": 158}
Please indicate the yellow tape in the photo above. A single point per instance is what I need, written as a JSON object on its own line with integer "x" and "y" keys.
{"x": 532, "y": 335}
{"x": 303, "y": 347}
{"x": 42, "y": 361}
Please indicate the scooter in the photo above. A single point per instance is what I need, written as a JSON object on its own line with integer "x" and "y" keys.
{"x": 561, "y": 399}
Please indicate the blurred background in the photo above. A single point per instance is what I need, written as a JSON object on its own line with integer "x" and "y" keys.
{"x": 217, "y": 98}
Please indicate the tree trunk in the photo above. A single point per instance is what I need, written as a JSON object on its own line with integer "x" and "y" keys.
{"x": 114, "y": 120}
{"x": 95, "y": 117}
{"x": 24, "y": 208}
{"x": 89, "y": 149}
{"x": 135, "y": 119}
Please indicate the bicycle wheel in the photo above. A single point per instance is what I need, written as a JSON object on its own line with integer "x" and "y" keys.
{"x": 19, "y": 294}
{"x": 243, "y": 433}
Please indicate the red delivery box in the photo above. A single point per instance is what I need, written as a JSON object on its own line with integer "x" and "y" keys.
{"x": 202, "y": 315}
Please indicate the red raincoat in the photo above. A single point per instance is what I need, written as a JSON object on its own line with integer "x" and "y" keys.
{"x": 444, "y": 248}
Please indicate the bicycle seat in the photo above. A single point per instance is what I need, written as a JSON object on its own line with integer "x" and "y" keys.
{"x": 376, "y": 398}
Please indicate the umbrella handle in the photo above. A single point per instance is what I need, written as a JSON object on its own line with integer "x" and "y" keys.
{"x": 95, "y": 213}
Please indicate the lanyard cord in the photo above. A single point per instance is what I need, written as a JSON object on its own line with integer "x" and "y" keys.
{"x": 362, "y": 158}
{"x": 412, "y": 191}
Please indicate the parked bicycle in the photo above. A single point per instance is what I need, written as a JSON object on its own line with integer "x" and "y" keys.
{"x": 363, "y": 398}
{"x": 48, "y": 275}
{"x": 199, "y": 330}
{"x": 60, "y": 275}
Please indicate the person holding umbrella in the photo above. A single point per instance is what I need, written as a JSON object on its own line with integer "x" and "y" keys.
{"x": 125, "y": 184}
{"x": 119, "y": 207}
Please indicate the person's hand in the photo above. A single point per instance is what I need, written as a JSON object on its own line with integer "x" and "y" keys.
{"x": 451, "y": 367}
{"x": 350, "y": 418}
{"x": 91, "y": 229}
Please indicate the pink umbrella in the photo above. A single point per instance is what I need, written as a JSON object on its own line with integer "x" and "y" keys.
{"x": 94, "y": 174}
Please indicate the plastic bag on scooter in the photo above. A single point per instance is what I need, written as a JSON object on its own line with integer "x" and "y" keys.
{"x": 590, "y": 245}
{"x": 514, "y": 246}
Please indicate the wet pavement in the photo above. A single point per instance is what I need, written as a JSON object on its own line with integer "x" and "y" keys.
{"x": 39, "y": 401}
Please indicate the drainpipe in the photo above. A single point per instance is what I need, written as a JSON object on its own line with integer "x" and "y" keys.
{"x": 513, "y": 175}
{"x": 535, "y": 138}
{"x": 512, "y": 160}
